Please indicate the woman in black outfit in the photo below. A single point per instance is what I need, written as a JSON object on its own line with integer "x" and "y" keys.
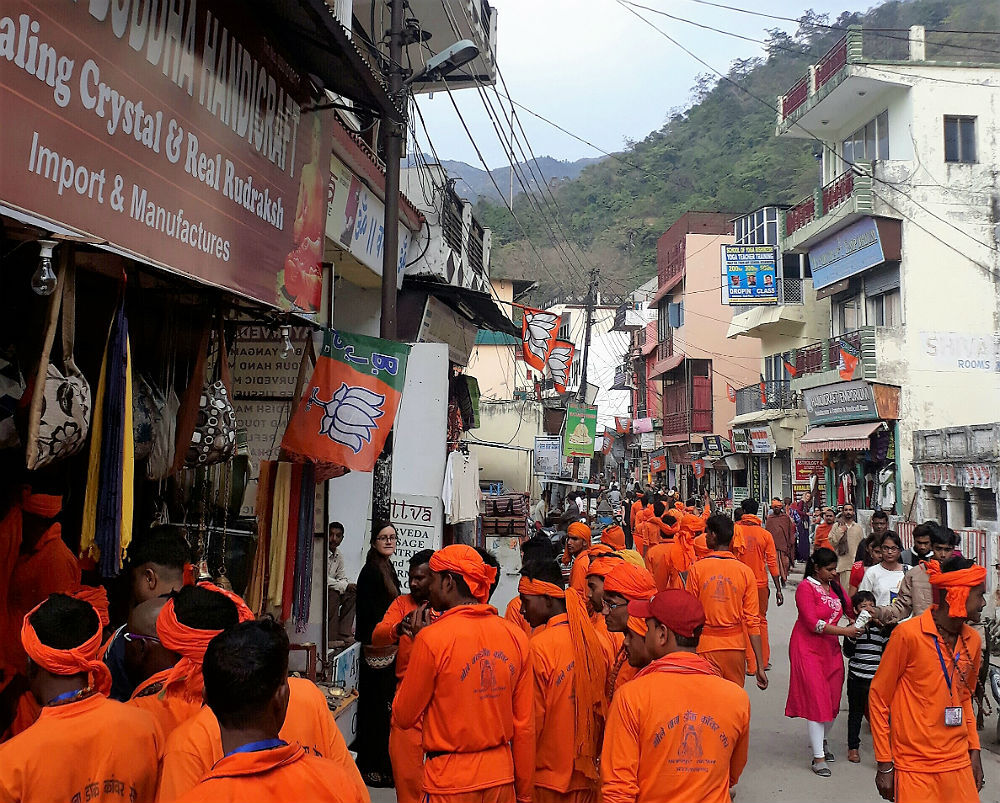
{"x": 378, "y": 586}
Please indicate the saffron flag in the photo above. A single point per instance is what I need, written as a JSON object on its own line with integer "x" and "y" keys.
{"x": 763, "y": 390}
{"x": 731, "y": 392}
{"x": 849, "y": 358}
{"x": 350, "y": 403}
{"x": 559, "y": 360}
{"x": 790, "y": 366}
{"x": 623, "y": 425}
{"x": 607, "y": 443}
{"x": 539, "y": 329}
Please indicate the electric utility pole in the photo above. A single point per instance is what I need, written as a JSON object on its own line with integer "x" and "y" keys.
{"x": 582, "y": 392}
{"x": 393, "y": 130}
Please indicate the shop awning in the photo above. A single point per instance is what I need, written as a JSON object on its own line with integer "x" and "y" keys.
{"x": 649, "y": 347}
{"x": 663, "y": 366}
{"x": 480, "y": 308}
{"x": 847, "y": 438}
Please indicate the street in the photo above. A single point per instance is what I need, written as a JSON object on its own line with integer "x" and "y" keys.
{"x": 778, "y": 769}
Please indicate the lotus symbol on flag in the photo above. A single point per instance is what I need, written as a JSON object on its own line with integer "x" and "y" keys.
{"x": 538, "y": 331}
{"x": 559, "y": 359}
{"x": 349, "y": 417}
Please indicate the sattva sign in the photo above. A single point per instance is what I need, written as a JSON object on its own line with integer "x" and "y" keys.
{"x": 171, "y": 129}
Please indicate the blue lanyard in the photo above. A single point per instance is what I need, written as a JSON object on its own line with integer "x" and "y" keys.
{"x": 66, "y": 695}
{"x": 944, "y": 668}
{"x": 254, "y": 747}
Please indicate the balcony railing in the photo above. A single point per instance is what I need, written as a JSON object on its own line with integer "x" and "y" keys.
{"x": 676, "y": 423}
{"x": 778, "y": 395}
{"x": 831, "y": 63}
{"x": 824, "y": 355}
{"x": 853, "y": 184}
{"x": 666, "y": 348}
{"x": 795, "y": 97}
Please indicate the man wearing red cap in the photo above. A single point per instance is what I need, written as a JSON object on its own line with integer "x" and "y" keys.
{"x": 678, "y": 732}
{"x": 623, "y": 584}
{"x": 570, "y": 671}
{"x": 727, "y": 590}
{"x": 920, "y": 704}
{"x": 83, "y": 744}
{"x": 469, "y": 682}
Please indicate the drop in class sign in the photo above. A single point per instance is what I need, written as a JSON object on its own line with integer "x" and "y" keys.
{"x": 749, "y": 274}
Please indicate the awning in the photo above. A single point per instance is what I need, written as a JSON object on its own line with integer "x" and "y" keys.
{"x": 663, "y": 290}
{"x": 480, "y": 308}
{"x": 847, "y": 438}
{"x": 743, "y": 322}
{"x": 649, "y": 347}
{"x": 663, "y": 366}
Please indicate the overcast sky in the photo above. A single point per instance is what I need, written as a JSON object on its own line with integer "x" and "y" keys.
{"x": 597, "y": 70}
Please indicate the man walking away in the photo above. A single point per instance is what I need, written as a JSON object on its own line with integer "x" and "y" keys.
{"x": 923, "y": 724}
{"x": 754, "y": 545}
{"x": 341, "y": 593}
{"x": 678, "y": 731}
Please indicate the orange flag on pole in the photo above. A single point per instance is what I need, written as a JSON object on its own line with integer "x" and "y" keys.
{"x": 559, "y": 361}
{"x": 539, "y": 329}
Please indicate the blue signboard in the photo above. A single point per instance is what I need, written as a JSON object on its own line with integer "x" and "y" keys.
{"x": 846, "y": 253}
{"x": 750, "y": 274}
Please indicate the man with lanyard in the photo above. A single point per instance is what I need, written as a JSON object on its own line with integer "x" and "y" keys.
{"x": 678, "y": 732}
{"x": 920, "y": 704}
{"x": 247, "y": 689}
{"x": 469, "y": 683}
{"x": 727, "y": 590}
{"x": 570, "y": 672}
{"x": 622, "y": 585}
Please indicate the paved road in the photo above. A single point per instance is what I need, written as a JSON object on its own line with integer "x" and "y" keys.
{"x": 778, "y": 769}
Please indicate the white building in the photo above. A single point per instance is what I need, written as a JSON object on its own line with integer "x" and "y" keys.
{"x": 902, "y": 248}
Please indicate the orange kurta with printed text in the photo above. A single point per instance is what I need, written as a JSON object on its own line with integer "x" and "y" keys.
{"x": 286, "y": 774}
{"x": 196, "y": 745}
{"x": 470, "y": 682}
{"x": 728, "y": 593}
{"x": 675, "y": 738}
{"x": 74, "y": 748}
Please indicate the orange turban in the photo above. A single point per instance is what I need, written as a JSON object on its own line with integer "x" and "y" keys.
{"x": 83, "y": 658}
{"x": 464, "y": 560}
{"x": 637, "y": 625}
{"x": 630, "y": 581}
{"x": 958, "y": 584}
{"x": 98, "y": 597}
{"x": 613, "y": 536}
{"x": 540, "y": 588}
{"x": 45, "y": 505}
{"x": 191, "y": 643}
{"x": 579, "y": 530}
{"x": 602, "y": 564}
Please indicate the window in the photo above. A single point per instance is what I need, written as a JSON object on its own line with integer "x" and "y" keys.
{"x": 663, "y": 321}
{"x": 868, "y": 143}
{"x": 960, "y": 139}
{"x": 849, "y": 315}
{"x": 885, "y": 309}
{"x": 566, "y": 327}
{"x": 758, "y": 228}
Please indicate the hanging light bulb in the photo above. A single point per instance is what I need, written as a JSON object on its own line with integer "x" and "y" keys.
{"x": 44, "y": 280}
{"x": 287, "y": 347}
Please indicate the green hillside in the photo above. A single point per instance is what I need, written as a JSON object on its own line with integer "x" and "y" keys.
{"x": 719, "y": 153}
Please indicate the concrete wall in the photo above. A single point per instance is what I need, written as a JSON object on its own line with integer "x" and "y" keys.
{"x": 516, "y": 424}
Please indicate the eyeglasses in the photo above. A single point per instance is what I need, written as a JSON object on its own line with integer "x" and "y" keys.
{"x": 134, "y": 637}
{"x": 613, "y": 605}
{"x": 887, "y": 548}
{"x": 385, "y": 539}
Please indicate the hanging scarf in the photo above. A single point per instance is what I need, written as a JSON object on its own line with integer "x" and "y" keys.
{"x": 304, "y": 551}
{"x": 107, "y": 506}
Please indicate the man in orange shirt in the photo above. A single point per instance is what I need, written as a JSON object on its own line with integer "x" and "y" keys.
{"x": 600, "y": 566}
{"x": 623, "y": 584}
{"x": 920, "y": 703}
{"x": 570, "y": 672}
{"x": 754, "y": 546}
{"x": 185, "y": 625}
{"x": 82, "y": 742}
{"x": 678, "y": 732}
{"x": 469, "y": 683}
{"x": 578, "y": 537}
{"x": 246, "y": 687}
{"x": 396, "y": 627}
{"x": 727, "y": 590}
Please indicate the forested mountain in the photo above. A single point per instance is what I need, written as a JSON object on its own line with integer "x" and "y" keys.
{"x": 718, "y": 154}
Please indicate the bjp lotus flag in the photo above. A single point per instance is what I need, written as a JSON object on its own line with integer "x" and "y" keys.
{"x": 731, "y": 393}
{"x": 350, "y": 404}
{"x": 849, "y": 358}
{"x": 538, "y": 335}
{"x": 623, "y": 425}
{"x": 559, "y": 361}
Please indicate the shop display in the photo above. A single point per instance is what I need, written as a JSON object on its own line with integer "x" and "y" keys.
{"x": 213, "y": 438}
{"x": 506, "y": 514}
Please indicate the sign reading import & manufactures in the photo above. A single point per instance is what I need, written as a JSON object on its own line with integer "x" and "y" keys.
{"x": 171, "y": 130}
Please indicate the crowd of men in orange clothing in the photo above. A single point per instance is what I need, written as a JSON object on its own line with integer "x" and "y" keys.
{"x": 623, "y": 686}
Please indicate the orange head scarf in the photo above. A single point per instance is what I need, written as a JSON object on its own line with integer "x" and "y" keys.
{"x": 633, "y": 557}
{"x": 191, "y": 643}
{"x": 579, "y": 530}
{"x": 45, "y": 505}
{"x": 602, "y": 563}
{"x": 613, "y": 536}
{"x": 739, "y": 543}
{"x": 630, "y": 581}
{"x": 637, "y": 625}
{"x": 98, "y": 597}
{"x": 958, "y": 584}
{"x": 465, "y": 561}
{"x": 83, "y": 658}
{"x": 540, "y": 588}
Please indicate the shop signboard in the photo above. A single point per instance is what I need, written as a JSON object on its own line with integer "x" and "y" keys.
{"x": 761, "y": 440}
{"x": 713, "y": 446}
{"x": 749, "y": 274}
{"x": 740, "y": 493}
{"x": 355, "y": 220}
{"x": 418, "y": 521}
{"x": 581, "y": 431}
{"x": 840, "y": 403}
{"x": 962, "y": 351}
{"x": 846, "y": 253}
{"x": 640, "y": 425}
{"x": 962, "y": 475}
{"x": 548, "y": 456}
{"x": 741, "y": 441}
{"x": 647, "y": 441}
{"x": 178, "y": 137}
{"x": 441, "y": 324}
{"x": 805, "y": 470}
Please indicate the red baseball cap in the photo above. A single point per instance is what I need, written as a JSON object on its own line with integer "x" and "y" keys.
{"x": 675, "y": 608}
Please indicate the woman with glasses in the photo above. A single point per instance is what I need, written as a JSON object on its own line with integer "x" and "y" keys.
{"x": 883, "y": 578}
{"x": 378, "y": 586}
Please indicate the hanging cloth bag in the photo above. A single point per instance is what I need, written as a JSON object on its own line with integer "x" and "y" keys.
{"x": 59, "y": 415}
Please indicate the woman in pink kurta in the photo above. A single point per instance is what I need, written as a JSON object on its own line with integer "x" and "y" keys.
{"x": 817, "y": 667}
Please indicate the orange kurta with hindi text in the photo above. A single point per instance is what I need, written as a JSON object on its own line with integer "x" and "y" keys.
{"x": 170, "y": 707}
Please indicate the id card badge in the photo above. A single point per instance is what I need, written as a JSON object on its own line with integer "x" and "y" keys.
{"x": 953, "y": 716}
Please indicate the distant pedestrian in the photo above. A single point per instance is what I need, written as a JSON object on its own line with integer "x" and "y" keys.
{"x": 922, "y": 546}
{"x": 845, "y": 538}
{"x": 884, "y": 578}
{"x": 782, "y": 530}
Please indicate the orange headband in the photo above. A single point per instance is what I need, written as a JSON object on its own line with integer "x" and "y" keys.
{"x": 637, "y": 625}
{"x": 958, "y": 584}
{"x": 242, "y": 609}
{"x": 613, "y": 536}
{"x": 81, "y": 659}
{"x": 45, "y": 505}
{"x": 630, "y": 581}
{"x": 464, "y": 560}
{"x": 579, "y": 530}
{"x": 97, "y": 596}
{"x": 602, "y": 565}
{"x": 539, "y": 588}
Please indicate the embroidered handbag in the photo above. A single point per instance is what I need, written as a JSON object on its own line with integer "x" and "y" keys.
{"x": 214, "y": 437}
